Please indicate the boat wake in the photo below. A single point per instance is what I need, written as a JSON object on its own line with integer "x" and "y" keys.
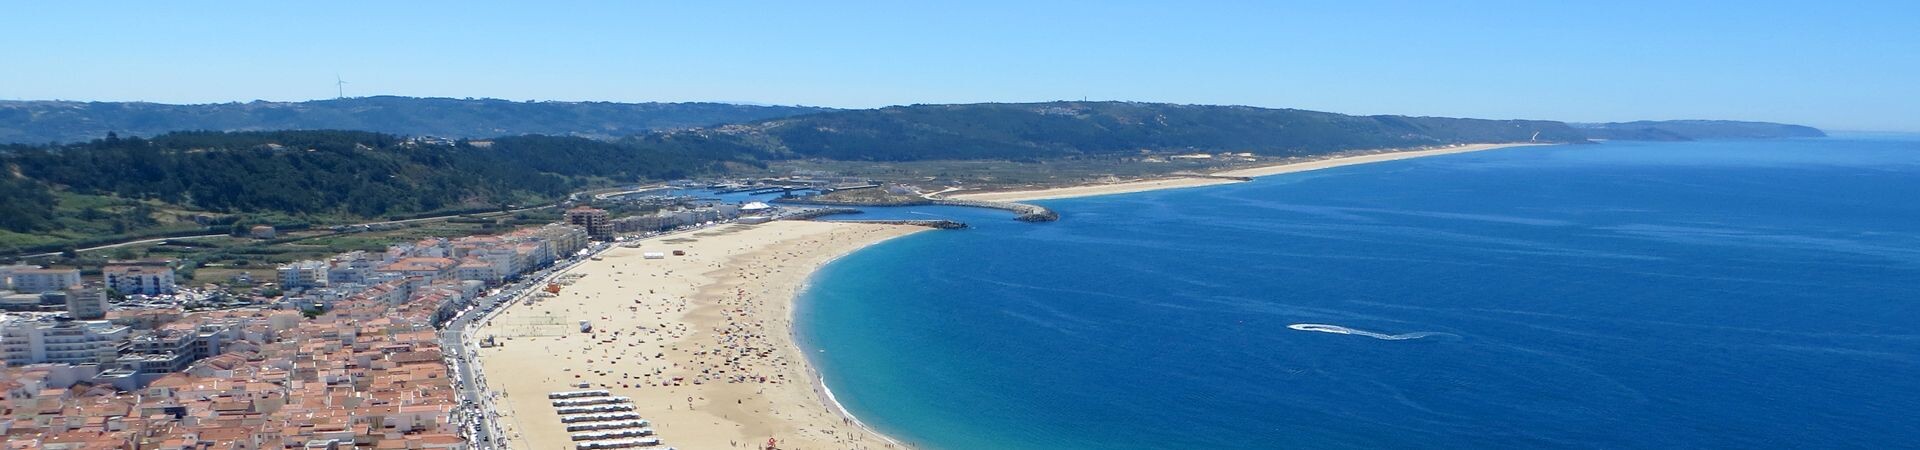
{"x": 1336, "y": 329}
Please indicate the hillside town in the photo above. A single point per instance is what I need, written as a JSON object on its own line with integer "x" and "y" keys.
{"x": 350, "y": 356}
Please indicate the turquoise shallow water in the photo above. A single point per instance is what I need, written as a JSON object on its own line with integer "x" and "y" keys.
{"x": 1623, "y": 295}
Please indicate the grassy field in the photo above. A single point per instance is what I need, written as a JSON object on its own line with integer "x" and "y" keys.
{"x": 220, "y": 259}
{"x": 90, "y": 220}
{"x": 80, "y": 217}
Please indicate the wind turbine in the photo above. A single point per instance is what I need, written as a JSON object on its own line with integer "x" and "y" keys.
{"x": 340, "y": 86}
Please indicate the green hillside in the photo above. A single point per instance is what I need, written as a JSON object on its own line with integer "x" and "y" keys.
{"x": 1040, "y": 130}
{"x": 130, "y": 186}
{"x": 1689, "y": 130}
{"x": 38, "y": 122}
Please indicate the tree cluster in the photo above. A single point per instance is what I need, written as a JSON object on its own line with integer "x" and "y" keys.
{"x": 320, "y": 172}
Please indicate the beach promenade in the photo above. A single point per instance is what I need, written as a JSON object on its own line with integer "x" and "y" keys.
{"x": 702, "y": 342}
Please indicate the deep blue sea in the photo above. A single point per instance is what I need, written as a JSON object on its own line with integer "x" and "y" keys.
{"x": 1735, "y": 294}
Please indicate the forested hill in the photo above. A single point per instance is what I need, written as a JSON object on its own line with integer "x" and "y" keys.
{"x": 1688, "y": 130}
{"x": 335, "y": 175}
{"x": 40, "y": 122}
{"x": 1055, "y": 129}
{"x": 52, "y": 192}
{"x": 325, "y": 174}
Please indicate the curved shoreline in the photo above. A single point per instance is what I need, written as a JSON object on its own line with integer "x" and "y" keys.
{"x": 682, "y": 335}
{"x": 825, "y": 393}
{"x": 812, "y": 367}
{"x": 715, "y": 316}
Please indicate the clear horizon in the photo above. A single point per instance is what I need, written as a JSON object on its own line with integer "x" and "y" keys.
{"x": 1831, "y": 68}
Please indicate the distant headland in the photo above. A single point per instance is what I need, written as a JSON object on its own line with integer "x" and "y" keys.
{"x": 961, "y": 130}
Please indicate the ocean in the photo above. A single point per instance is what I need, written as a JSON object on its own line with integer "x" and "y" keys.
{"x": 1727, "y": 294}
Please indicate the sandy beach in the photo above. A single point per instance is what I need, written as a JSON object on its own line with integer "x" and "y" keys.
{"x": 1186, "y": 182}
{"x": 702, "y": 342}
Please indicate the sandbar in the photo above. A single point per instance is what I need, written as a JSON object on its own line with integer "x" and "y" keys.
{"x": 1187, "y": 182}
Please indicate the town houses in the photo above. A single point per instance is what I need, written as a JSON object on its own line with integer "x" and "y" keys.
{"x": 349, "y": 357}
{"x": 368, "y": 376}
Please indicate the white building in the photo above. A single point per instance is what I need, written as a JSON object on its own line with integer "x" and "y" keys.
{"x": 305, "y": 275}
{"x": 24, "y": 341}
{"x": 565, "y": 239}
{"x": 147, "y": 278}
{"x": 474, "y": 269}
{"x": 353, "y": 267}
{"x": 498, "y": 258}
{"x": 6, "y": 275}
{"x": 34, "y": 281}
{"x": 754, "y": 208}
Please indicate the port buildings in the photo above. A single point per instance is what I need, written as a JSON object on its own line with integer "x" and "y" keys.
{"x": 670, "y": 219}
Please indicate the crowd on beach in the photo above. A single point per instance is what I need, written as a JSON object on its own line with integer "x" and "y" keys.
{"x": 710, "y": 336}
{"x": 740, "y": 350}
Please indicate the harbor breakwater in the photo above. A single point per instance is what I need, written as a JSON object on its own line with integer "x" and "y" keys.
{"x": 937, "y": 224}
{"x": 1024, "y": 212}
{"x": 1027, "y": 213}
{"x": 816, "y": 214}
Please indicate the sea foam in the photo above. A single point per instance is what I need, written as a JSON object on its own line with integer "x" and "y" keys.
{"x": 1336, "y": 329}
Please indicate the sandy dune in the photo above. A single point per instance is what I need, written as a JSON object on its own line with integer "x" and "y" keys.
{"x": 1172, "y": 183}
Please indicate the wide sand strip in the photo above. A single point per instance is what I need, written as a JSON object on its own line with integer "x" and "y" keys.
{"x": 1186, "y": 182}
{"x": 703, "y": 342}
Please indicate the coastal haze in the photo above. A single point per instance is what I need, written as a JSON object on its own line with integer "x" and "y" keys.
{"x": 983, "y": 226}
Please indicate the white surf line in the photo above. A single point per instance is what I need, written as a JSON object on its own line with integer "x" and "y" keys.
{"x": 1336, "y": 329}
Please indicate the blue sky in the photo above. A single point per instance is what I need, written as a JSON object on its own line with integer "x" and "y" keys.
{"x": 1837, "y": 65}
